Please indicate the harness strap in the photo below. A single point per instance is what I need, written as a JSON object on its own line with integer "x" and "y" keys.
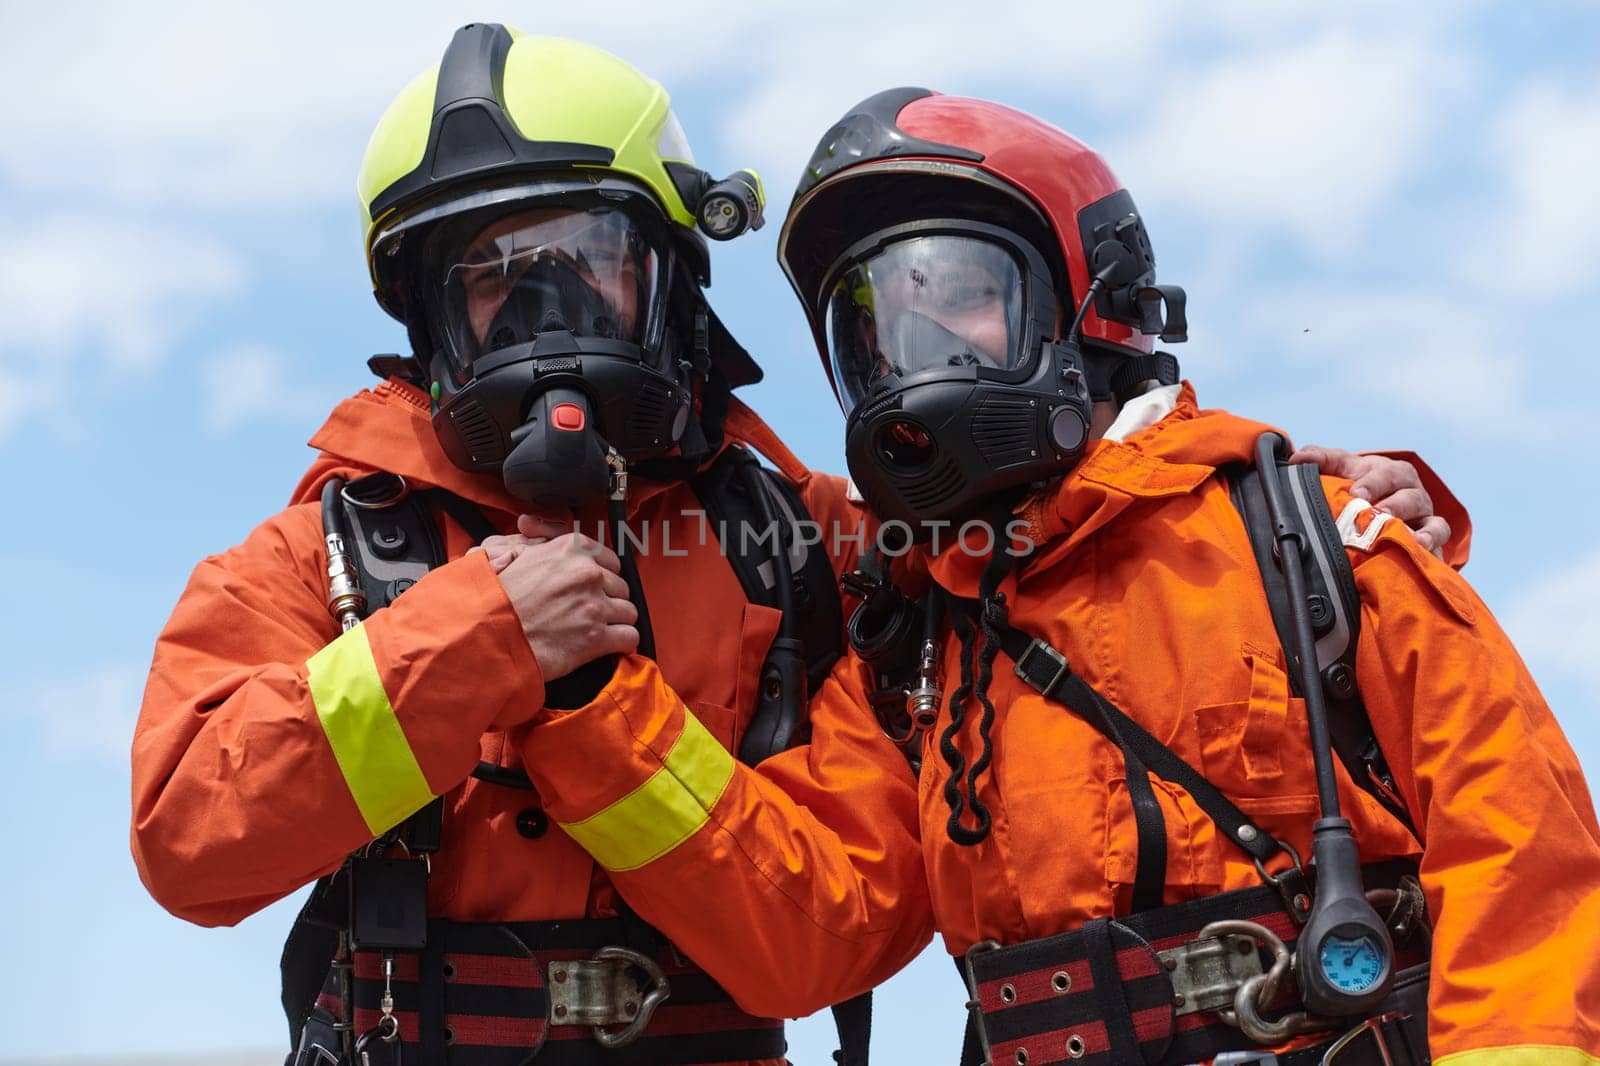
{"x": 1109, "y": 992}
{"x": 466, "y": 514}
{"x": 853, "y": 1019}
{"x": 1047, "y": 671}
{"x": 1150, "y": 825}
{"x": 431, "y": 1014}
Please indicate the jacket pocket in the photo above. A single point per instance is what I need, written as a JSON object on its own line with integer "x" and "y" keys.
{"x": 1193, "y": 856}
{"x": 1257, "y": 747}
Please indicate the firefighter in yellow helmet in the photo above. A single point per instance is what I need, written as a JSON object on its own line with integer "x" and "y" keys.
{"x": 348, "y": 694}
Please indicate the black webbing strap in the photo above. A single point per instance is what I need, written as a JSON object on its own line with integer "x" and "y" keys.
{"x": 1150, "y": 825}
{"x": 430, "y": 1001}
{"x": 1109, "y": 993}
{"x": 466, "y": 514}
{"x": 1047, "y": 671}
{"x": 853, "y": 1019}
{"x": 311, "y": 943}
{"x": 1161, "y": 367}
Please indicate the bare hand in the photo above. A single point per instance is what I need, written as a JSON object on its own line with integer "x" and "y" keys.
{"x": 500, "y": 549}
{"x": 569, "y": 593}
{"x": 1390, "y": 485}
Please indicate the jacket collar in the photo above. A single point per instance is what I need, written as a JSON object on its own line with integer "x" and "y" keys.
{"x": 388, "y": 427}
{"x": 1162, "y": 444}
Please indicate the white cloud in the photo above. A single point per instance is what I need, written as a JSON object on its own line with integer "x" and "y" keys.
{"x": 20, "y": 396}
{"x": 1442, "y": 356}
{"x": 1555, "y": 622}
{"x": 212, "y": 106}
{"x": 95, "y": 300}
{"x": 1545, "y": 224}
{"x": 948, "y": 47}
{"x": 91, "y": 715}
{"x": 118, "y": 290}
{"x": 250, "y": 382}
{"x": 1306, "y": 140}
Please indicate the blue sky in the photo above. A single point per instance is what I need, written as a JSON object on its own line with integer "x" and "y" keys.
{"x": 1386, "y": 223}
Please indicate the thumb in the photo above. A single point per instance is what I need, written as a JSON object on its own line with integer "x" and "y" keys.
{"x": 533, "y": 526}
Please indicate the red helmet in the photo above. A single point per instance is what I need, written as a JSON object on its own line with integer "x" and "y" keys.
{"x": 915, "y": 211}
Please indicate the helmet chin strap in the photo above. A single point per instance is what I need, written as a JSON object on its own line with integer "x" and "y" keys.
{"x": 1114, "y": 374}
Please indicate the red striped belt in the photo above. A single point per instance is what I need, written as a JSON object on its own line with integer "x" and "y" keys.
{"x": 1047, "y": 1002}
{"x": 484, "y": 994}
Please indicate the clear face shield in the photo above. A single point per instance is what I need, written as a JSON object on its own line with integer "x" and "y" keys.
{"x": 499, "y": 280}
{"x": 925, "y": 303}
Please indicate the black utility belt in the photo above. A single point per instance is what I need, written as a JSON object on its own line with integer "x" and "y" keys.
{"x": 562, "y": 993}
{"x": 1148, "y": 990}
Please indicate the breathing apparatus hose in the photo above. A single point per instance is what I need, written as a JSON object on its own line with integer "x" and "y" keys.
{"x": 617, "y": 520}
{"x": 980, "y": 642}
{"x": 347, "y": 602}
{"x": 1341, "y": 919}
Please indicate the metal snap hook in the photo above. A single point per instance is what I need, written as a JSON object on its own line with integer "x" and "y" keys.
{"x": 1277, "y": 880}
{"x": 658, "y": 991}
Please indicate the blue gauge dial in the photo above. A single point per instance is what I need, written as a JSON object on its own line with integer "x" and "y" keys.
{"x": 1351, "y": 964}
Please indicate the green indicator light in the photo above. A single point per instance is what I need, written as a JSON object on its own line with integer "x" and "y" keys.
{"x": 433, "y": 391}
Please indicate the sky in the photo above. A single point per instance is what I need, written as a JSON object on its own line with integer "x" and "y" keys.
{"x": 1384, "y": 216}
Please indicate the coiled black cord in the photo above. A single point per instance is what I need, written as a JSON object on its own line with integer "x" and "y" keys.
{"x": 993, "y": 617}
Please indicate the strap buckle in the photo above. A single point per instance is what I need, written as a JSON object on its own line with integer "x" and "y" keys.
{"x": 974, "y": 1010}
{"x": 602, "y": 991}
{"x": 1291, "y": 884}
{"x": 1373, "y": 1025}
{"x": 1023, "y": 669}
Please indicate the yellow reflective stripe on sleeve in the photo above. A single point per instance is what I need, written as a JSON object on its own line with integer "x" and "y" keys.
{"x": 366, "y": 738}
{"x": 1520, "y": 1055}
{"x": 664, "y": 811}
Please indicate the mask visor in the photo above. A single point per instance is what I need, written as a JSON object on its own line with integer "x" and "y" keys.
{"x": 924, "y": 303}
{"x": 504, "y": 280}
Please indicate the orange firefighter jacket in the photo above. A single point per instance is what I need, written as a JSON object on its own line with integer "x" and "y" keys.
{"x": 269, "y": 746}
{"x": 1143, "y": 576}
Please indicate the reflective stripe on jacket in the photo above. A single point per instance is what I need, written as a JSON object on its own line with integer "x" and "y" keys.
{"x": 269, "y": 746}
{"x": 1144, "y": 579}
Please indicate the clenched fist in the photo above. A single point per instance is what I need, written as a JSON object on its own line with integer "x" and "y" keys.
{"x": 569, "y": 593}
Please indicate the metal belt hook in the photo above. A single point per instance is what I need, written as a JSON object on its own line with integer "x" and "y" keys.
{"x": 658, "y": 991}
{"x": 1257, "y": 992}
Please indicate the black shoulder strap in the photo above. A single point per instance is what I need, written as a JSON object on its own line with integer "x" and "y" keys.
{"x": 310, "y": 947}
{"x": 748, "y": 542}
{"x": 394, "y": 541}
{"x": 393, "y": 538}
{"x": 1335, "y": 616}
{"x": 1046, "y": 670}
{"x": 745, "y": 528}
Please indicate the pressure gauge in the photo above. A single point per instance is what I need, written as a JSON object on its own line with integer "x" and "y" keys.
{"x": 1352, "y": 964}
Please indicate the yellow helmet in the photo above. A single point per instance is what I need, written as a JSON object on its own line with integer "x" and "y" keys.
{"x": 534, "y": 216}
{"x": 502, "y": 106}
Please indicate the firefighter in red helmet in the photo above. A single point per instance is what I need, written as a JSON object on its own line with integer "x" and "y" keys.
{"x": 1130, "y": 750}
